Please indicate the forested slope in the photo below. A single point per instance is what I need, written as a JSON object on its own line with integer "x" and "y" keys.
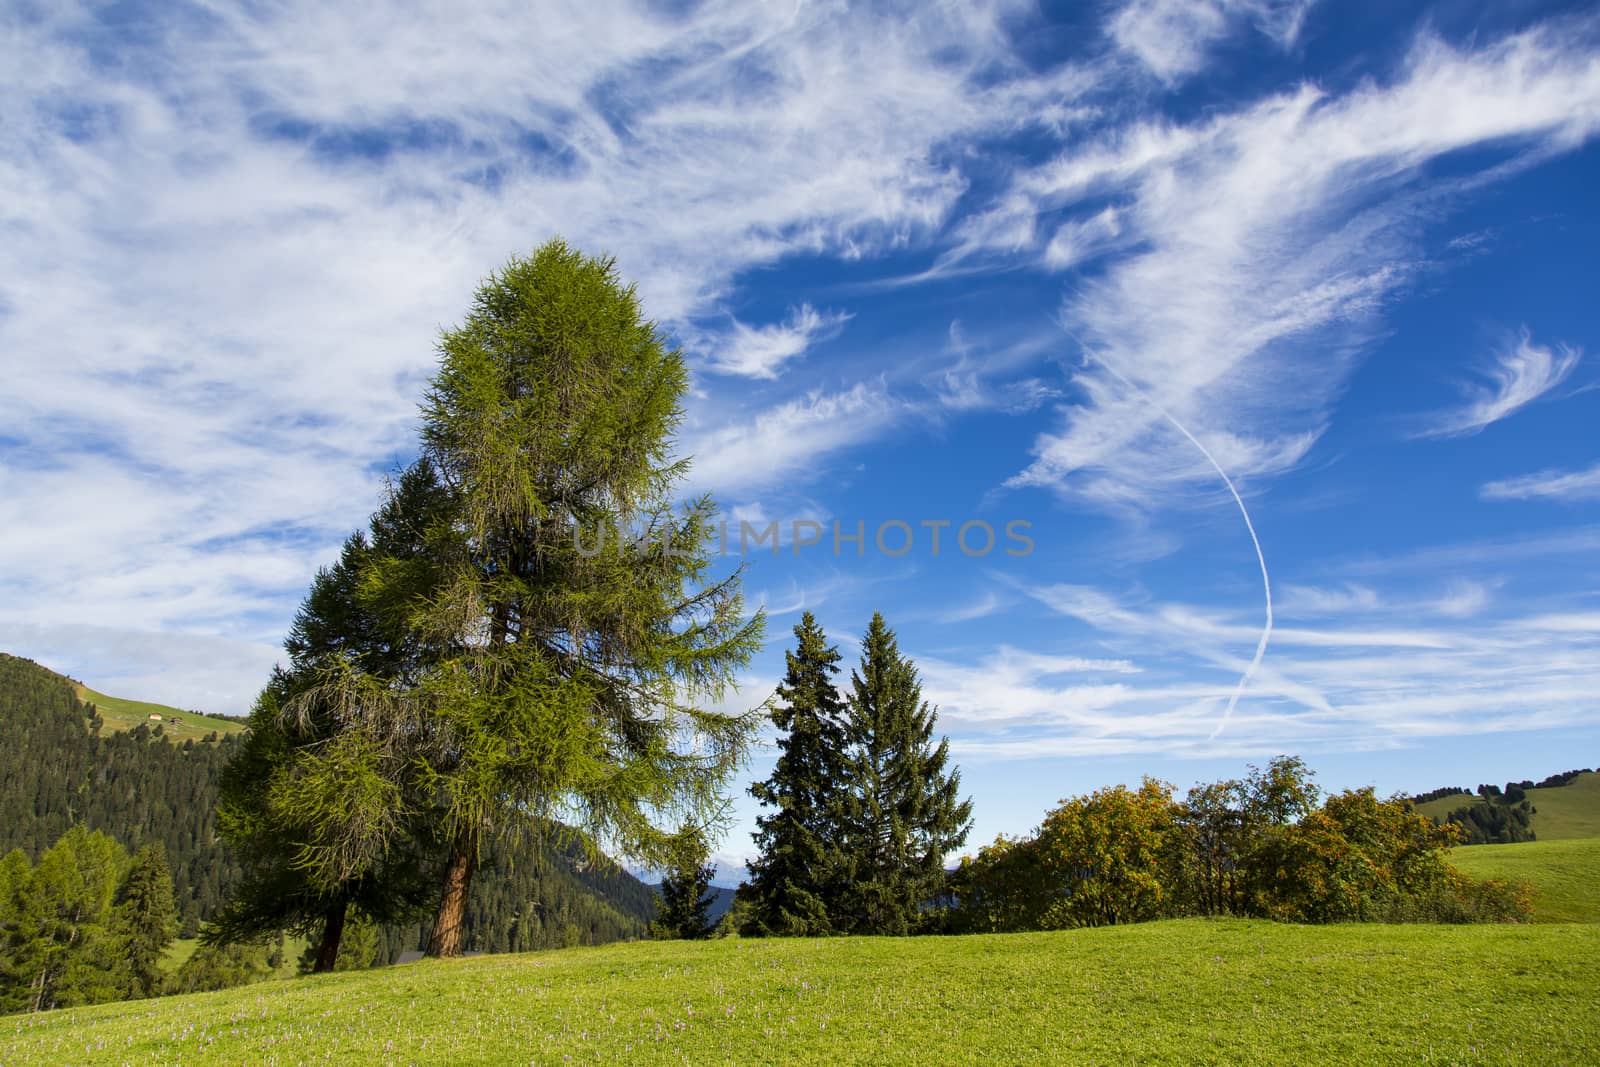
{"x": 58, "y": 766}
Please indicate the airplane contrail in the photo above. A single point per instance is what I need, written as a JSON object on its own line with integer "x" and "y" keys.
{"x": 1266, "y": 580}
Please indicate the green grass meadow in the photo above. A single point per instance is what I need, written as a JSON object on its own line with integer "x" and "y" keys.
{"x": 1565, "y": 874}
{"x": 178, "y": 954}
{"x": 179, "y": 951}
{"x": 1180, "y": 992}
{"x": 122, "y": 714}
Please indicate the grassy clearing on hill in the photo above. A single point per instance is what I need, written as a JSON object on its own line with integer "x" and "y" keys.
{"x": 1562, "y": 813}
{"x": 1565, "y": 875}
{"x": 1568, "y": 812}
{"x": 178, "y": 953}
{"x": 1190, "y": 991}
{"x": 121, "y": 714}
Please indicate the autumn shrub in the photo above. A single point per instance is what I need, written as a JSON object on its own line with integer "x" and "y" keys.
{"x": 1258, "y": 847}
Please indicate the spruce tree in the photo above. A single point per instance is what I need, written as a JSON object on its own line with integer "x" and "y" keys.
{"x": 15, "y": 872}
{"x": 144, "y": 920}
{"x": 795, "y": 881}
{"x": 904, "y": 814}
{"x": 683, "y": 912}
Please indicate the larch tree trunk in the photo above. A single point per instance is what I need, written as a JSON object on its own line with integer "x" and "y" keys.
{"x": 332, "y": 933}
{"x": 447, "y": 924}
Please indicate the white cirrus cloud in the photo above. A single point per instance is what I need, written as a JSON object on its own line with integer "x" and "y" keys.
{"x": 1572, "y": 486}
{"x": 764, "y": 351}
{"x": 1014, "y": 686}
{"x": 1301, "y": 600}
{"x": 1261, "y": 244}
{"x": 1343, "y": 685}
{"x": 1171, "y": 37}
{"x": 780, "y": 443}
{"x": 1075, "y": 242}
{"x": 1521, "y": 373}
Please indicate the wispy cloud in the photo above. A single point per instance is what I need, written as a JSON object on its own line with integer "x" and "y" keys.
{"x": 1263, "y": 241}
{"x": 764, "y": 351}
{"x": 976, "y": 608}
{"x": 1345, "y": 683}
{"x": 1301, "y": 600}
{"x": 1460, "y": 599}
{"x": 790, "y": 439}
{"x": 1080, "y": 240}
{"x": 1522, "y": 372}
{"x": 1551, "y": 484}
{"x": 1463, "y": 600}
{"x": 1012, "y": 686}
{"x": 996, "y": 376}
{"x": 1171, "y": 37}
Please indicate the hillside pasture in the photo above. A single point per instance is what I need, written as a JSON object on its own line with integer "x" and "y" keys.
{"x": 123, "y": 714}
{"x": 1181, "y": 992}
{"x": 1565, "y": 875}
{"x": 1561, "y": 813}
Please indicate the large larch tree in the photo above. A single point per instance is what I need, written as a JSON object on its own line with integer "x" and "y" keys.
{"x": 583, "y": 633}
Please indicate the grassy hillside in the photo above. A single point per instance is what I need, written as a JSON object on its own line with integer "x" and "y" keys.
{"x": 1565, "y": 874}
{"x": 178, "y": 953}
{"x": 1161, "y": 993}
{"x": 122, "y": 714}
{"x": 1562, "y": 813}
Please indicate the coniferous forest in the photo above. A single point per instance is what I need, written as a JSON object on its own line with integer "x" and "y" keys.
{"x": 135, "y": 790}
{"x": 136, "y": 786}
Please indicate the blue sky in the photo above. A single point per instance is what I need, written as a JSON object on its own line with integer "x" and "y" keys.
{"x": 978, "y": 263}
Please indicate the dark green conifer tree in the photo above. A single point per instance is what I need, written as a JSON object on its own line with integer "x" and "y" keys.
{"x": 797, "y": 876}
{"x": 313, "y": 846}
{"x": 904, "y": 815}
{"x": 15, "y": 871}
{"x": 683, "y": 913}
{"x": 145, "y": 920}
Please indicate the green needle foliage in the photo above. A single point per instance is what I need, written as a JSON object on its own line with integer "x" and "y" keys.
{"x": 796, "y": 880}
{"x": 58, "y": 949}
{"x": 145, "y": 921}
{"x": 575, "y": 630}
{"x": 684, "y": 908}
{"x": 903, "y": 813}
